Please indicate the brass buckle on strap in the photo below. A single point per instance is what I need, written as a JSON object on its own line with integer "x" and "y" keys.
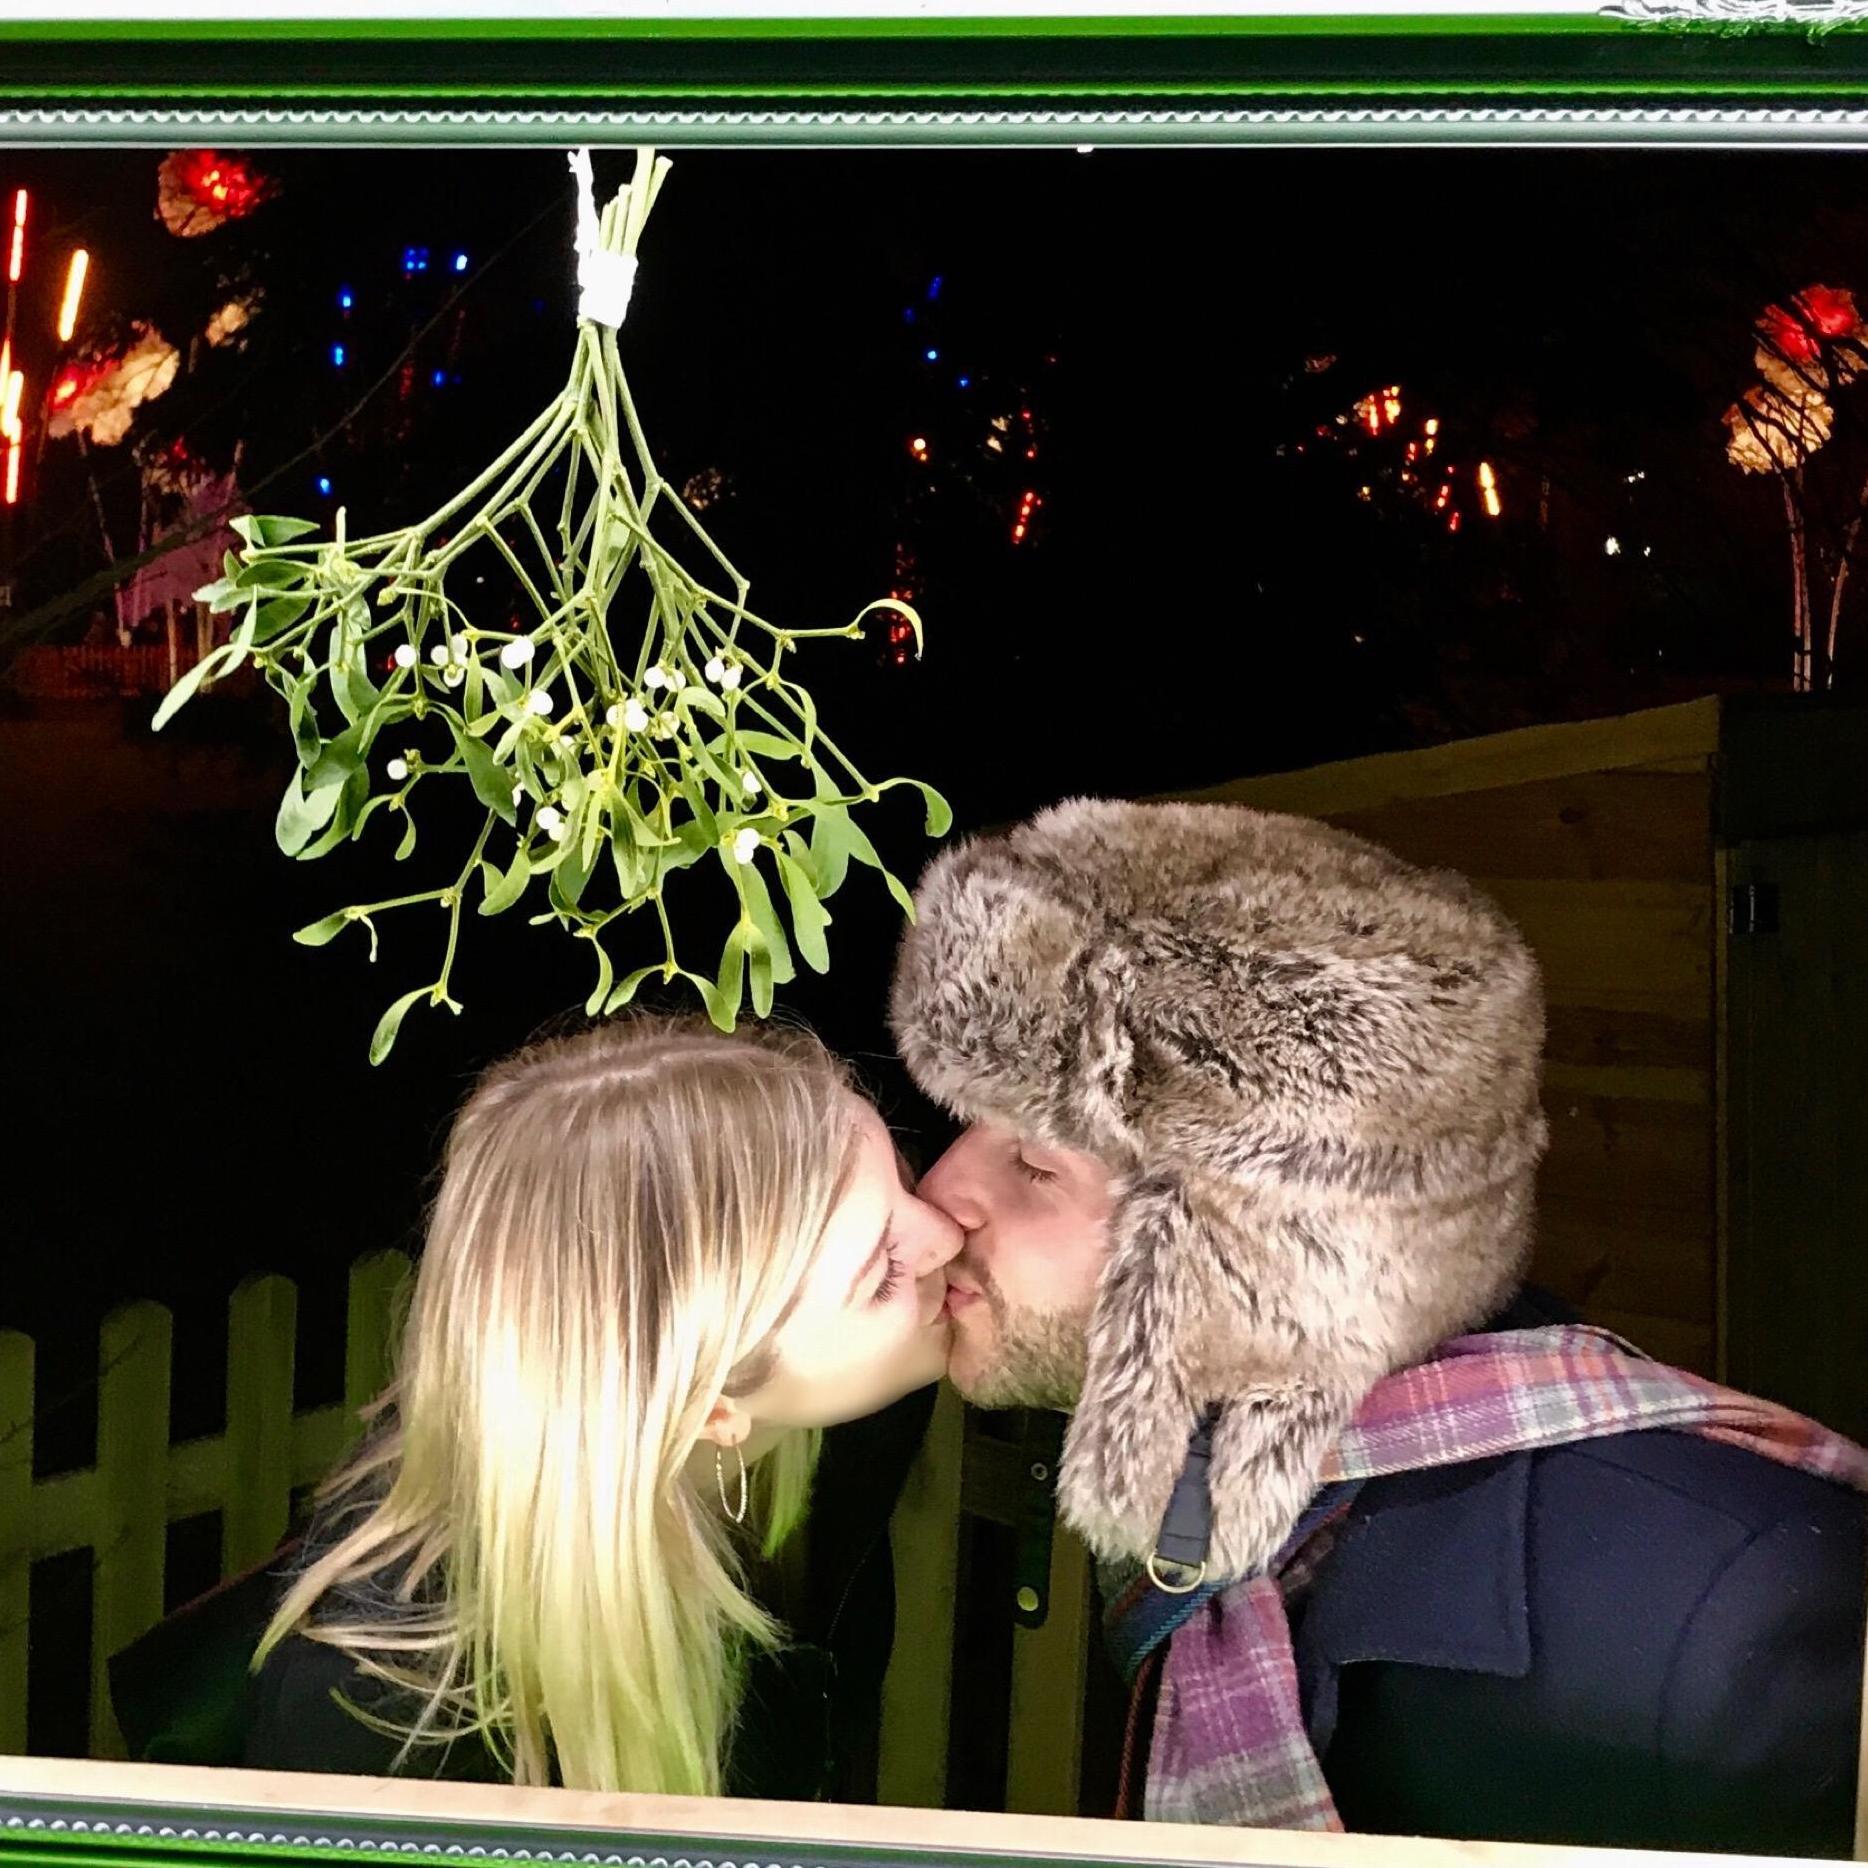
{"x": 1174, "y": 1589}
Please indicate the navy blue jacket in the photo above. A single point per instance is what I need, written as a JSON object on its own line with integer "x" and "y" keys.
{"x": 1649, "y": 1641}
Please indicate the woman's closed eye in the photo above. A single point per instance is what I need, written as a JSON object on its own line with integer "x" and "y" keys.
{"x": 891, "y": 1279}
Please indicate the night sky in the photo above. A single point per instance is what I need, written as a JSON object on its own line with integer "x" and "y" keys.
{"x": 1191, "y": 604}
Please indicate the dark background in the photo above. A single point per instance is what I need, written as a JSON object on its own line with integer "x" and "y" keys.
{"x": 1196, "y": 599}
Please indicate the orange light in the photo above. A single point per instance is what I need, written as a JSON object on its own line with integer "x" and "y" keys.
{"x": 74, "y": 291}
{"x": 1452, "y": 523}
{"x": 6, "y": 358}
{"x": 1432, "y": 425}
{"x": 9, "y": 406}
{"x": 66, "y": 388}
{"x": 16, "y": 260}
{"x": 12, "y": 473}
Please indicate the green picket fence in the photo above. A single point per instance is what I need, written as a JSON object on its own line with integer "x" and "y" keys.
{"x": 120, "y": 1508}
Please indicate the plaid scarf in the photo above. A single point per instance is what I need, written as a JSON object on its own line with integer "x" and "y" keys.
{"x": 1229, "y": 1743}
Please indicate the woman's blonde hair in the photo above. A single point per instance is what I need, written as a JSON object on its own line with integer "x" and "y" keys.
{"x": 625, "y": 1219}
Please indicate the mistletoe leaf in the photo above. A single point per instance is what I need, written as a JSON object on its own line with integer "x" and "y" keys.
{"x": 730, "y": 985}
{"x": 269, "y": 574}
{"x": 510, "y": 886}
{"x": 758, "y": 905}
{"x": 406, "y": 848}
{"x": 626, "y": 989}
{"x": 346, "y": 819}
{"x": 570, "y": 874}
{"x": 262, "y": 533}
{"x": 278, "y": 614}
{"x": 300, "y": 817}
{"x": 809, "y": 916}
{"x": 492, "y": 785}
{"x": 303, "y": 721}
{"x": 391, "y": 1022}
{"x": 317, "y": 933}
{"x": 600, "y": 993}
{"x": 203, "y": 670}
{"x": 830, "y": 847}
{"x": 939, "y": 811}
{"x": 634, "y": 865}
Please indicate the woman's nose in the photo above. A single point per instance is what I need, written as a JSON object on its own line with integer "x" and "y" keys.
{"x": 937, "y": 1240}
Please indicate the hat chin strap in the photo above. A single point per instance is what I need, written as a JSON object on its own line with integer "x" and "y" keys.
{"x": 1187, "y": 1525}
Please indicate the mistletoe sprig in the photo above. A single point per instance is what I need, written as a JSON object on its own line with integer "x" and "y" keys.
{"x": 643, "y": 722}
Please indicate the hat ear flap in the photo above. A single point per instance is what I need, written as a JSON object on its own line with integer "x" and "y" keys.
{"x": 1269, "y": 1450}
{"x": 1127, "y": 1438}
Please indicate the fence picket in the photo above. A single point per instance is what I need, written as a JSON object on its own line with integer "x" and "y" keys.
{"x": 262, "y": 1330}
{"x": 16, "y": 1360}
{"x": 134, "y": 1349}
{"x": 376, "y": 1285}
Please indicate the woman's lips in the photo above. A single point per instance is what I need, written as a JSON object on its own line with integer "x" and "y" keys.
{"x": 958, "y": 1297}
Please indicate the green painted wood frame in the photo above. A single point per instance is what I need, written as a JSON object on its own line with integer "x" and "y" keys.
{"x": 1696, "y": 72}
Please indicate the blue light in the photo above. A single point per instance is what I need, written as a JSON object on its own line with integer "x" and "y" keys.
{"x": 344, "y": 300}
{"x": 933, "y": 356}
{"x": 934, "y": 289}
{"x": 414, "y": 259}
{"x": 966, "y": 382}
{"x": 337, "y": 356}
{"x": 460, "y": 262}
{"x": 324, "y": 484}
{"x": 440, "y": 377}
{"x": 908, "y": 312}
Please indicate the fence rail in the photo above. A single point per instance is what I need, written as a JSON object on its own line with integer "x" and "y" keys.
{"x": 120, "y": 1508}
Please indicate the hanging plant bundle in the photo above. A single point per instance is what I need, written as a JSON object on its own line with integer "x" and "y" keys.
{"x": 643, "y": 721}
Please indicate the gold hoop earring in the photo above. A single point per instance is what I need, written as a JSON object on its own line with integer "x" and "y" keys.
{"x": 719, "y": 1473}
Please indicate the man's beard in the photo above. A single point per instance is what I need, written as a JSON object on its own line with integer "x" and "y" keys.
{"x": 1036, "y": 1359}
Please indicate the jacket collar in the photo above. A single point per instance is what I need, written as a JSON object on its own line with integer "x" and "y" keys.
{"x": 1429, "y": 1570}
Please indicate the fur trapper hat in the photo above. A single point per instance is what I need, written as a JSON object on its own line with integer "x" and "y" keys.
{"x": 1313, "y": 1071}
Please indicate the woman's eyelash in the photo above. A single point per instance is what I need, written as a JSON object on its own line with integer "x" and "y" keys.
{"x": 891, "y": 1278}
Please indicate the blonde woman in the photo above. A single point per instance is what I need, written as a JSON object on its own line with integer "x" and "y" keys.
{"x": 660, "y": 1262}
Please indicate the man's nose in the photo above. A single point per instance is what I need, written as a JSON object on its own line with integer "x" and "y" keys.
{"x": 947, "y": 1186}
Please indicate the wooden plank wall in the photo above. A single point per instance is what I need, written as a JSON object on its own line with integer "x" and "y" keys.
{"x": 1609, "y": 873}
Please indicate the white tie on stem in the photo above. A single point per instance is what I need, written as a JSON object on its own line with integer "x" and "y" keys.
{"x": 606, "y": 265}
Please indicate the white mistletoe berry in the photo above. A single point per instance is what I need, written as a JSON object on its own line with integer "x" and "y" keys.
{"x": 657, "y": 677}
{"x": 539, "y": 701}
{"x": 714, "y": 670}
{"x": 405, "y": 655}
{"x": 731, "y": 678}
{"x": 549, "y": 819}
{"x": 439, "y": 655}
{"x": 518, "y": 792}
{"x": 749, "y": 784}
{"x": 745, "y": 845}
{"x": 462, "y": 648}
{"x": 517, "y": 652}
{"x": 453, "y": 677}
{"x": 636, "y": 717}
{"x": 398, "y": 770}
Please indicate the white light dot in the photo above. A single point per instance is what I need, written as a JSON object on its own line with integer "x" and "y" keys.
{"x": 1612, "y": 547}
